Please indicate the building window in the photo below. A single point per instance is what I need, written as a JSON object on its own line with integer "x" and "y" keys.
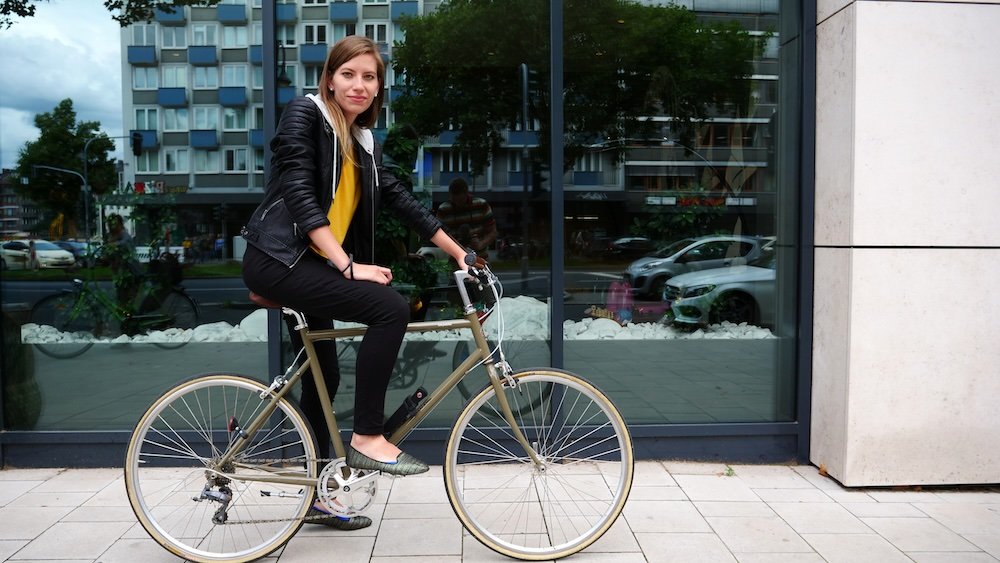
{"x": 514, "y": 161}
{"x": 145, "y": 118}
{"x": 175, "y": 119}
{"x": 454, "y": 161}
{"x": 144, "y": 34}
{"x": 256, "y": 34}
{"x": 342, "y": 30}
{"x": 203, "y": 34}
{"x": 258, "y": 117}
{"x": 234, "y": 75}
{"x": 257, "y": 77}
{"x": 206, "y": 162}
{"x": 206, "y": 77}
{"x": 312, "y": 77}
{"x": 313, "y": 2}
{"x": 174, "y": 76}
{"x": 145, "y": 78}
{"x": 315, "y": 33}
{"x": 206, "y": 118}
{"x": 376, "y": 32}
{"x": 148, "y": 162}
{"x": 236, "y": 160}
{"x": 173, "y": 37}
{"x": 175, "y": 160}
{"x": 286, "y": 35}
{"x": 590, "y": 162}
{"x": 234, "y": 36}
{"x": 258, "y": 160}
{"x": 234, "y": 119}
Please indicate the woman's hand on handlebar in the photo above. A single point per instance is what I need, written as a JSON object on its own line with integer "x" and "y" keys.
{"x": 369, "y": 272}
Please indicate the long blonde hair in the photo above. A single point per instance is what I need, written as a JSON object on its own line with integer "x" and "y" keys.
{"x": 343, "y": 51}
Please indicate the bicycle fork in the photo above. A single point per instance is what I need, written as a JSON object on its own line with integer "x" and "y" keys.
{"x": 506, "y": 380}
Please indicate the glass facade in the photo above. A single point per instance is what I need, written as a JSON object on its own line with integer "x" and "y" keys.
{"x": 646, "y": 216}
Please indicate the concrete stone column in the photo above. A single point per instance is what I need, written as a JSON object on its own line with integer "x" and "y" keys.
{"x": 906, "y": 354}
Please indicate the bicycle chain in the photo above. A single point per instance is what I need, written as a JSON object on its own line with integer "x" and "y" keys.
{"x": 275, "y": 520}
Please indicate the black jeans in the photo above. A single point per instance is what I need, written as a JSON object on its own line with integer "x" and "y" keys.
{"x": 322, "y": 293}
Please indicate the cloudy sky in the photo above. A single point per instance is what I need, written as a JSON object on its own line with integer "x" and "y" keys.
{"x": 70, "y": 49}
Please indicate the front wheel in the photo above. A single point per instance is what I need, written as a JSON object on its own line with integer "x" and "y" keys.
{"x": 549, "y": 511}
{"x": 199, "y": 508}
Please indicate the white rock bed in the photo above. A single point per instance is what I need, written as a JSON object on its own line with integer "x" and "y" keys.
{"x": 525, "y": 318}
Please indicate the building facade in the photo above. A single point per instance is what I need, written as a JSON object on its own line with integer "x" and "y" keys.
{"x": 775, "y": 307}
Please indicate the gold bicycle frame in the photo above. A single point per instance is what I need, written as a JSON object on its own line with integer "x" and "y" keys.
{"x": 310, "y": 337}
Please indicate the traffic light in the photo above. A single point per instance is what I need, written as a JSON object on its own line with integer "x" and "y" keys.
{"x": 217, "y": 212}
{"x": 136, "y": 143}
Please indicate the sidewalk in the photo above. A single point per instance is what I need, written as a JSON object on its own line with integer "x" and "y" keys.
{"x": 678, "y": 511}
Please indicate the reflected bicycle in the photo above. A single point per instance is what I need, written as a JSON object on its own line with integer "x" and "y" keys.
{"x": 537, "y": 466}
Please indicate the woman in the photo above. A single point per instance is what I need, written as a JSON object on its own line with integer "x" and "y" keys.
{"x": 311, "y": 242}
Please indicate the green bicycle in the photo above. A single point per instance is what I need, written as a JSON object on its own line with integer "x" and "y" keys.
{"x": 85, "y": 313}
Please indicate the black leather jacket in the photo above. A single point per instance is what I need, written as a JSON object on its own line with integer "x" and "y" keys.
{"x": 305, "y": 169}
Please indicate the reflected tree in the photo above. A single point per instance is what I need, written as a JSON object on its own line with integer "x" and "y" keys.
{"x": 623, "y": 62}
{"x": 60, "y": 144}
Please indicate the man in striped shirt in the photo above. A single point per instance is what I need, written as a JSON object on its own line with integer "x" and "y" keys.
{"x": 469, "y": 220}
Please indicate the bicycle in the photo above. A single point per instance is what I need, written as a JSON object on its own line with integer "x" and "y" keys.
{"x": 85, "y": 312}
{"x": 537, "y": 466}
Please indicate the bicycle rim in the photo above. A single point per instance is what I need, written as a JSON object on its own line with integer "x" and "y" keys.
{"x": 180, "y": 312}
{"x": 77, "y": 328}
{"x": 530, "y": 513}
{"x": 171, "y": 465}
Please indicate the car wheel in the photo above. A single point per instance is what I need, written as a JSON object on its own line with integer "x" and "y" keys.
{"x": 656, "y": 287}
{"x": 735, "y": 308}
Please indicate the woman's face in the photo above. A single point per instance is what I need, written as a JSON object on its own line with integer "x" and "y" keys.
{"x": 355, "y": 85}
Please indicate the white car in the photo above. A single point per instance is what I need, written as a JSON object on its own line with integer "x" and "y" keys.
{"x": 736, "y": 294}
{"x": 15, "y": 255}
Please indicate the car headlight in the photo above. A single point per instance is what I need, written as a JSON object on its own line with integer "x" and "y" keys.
{"x": 649, "y": 266}
{"x": 698, "y": 290}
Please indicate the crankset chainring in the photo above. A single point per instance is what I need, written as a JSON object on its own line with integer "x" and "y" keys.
{"x": 346, "y": 496}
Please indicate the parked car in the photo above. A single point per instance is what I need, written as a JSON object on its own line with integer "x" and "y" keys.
{"x": 84, "y": 254}
{"x": 631, "y": 247}
{"x": 736, "y": 294}
{"x": 648, "y": 275}
{"x": 15, "y": 255}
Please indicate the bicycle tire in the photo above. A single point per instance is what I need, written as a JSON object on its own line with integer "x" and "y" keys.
{"x": 173, "y": 452}
{"x": 536, "y": 514}
{"x": 77, "y": 330}
{"x": 182, "y": 313}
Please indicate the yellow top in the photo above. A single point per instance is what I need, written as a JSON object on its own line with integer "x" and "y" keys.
{"x": 344, "y": 205}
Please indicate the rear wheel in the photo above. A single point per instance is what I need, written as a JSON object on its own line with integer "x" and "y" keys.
{"x": 559, "y": 508}
{"x": 68, "y": 325}
{"x": 200, "y": 509}
{"x": 180, "y": 312}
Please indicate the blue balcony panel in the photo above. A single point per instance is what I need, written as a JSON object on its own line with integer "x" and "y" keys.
{"x": 285, "y": 94}
{"x": 403, "y": 9}
{"x": 204, "y": 139}
{"x": 257, "y": 138}
{"x": 164, "y": 17}
{"x": 312, "y": 53}
{"x": 203, "y": 55}
{"x": 515, "y": 178}
{"x": 256, "y": 54}
{"x": 233, "y": 96}
{"x": 344, "y": 12}
{"x": 232, "y": 14}
{"x": 172, "y": 97}
{"x": 448, "y": 137}
{"x": 286, "y": 13}
{"x": 521, "y": 138}
{"x": 144, "y": 55}
{"x": 149, "y": 138}
{"x": 587, "y": 178}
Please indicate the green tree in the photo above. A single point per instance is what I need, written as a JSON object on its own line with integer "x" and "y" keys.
{"x": 623, "y": 61}
{"x": 125, "y": 12}
{"x": 60, "y": 145}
